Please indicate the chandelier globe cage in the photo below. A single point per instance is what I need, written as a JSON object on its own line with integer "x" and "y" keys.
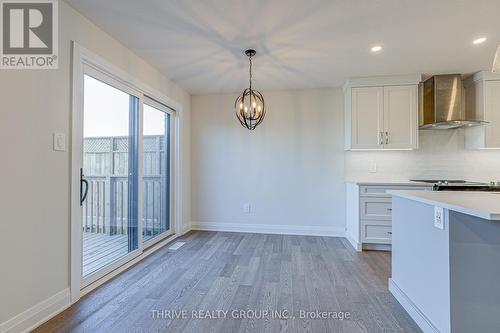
{"x": 249, "y": 106}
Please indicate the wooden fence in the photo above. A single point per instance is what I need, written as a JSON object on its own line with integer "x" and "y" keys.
{"x": 105, "y": 165}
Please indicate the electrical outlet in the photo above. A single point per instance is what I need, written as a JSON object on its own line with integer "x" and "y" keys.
{"x": 373, "y": 167}
{"x": 439, "y": 217}
{"x": 247, "y": 208}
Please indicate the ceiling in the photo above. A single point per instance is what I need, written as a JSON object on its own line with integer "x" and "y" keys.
{"x": 300, "y": 44}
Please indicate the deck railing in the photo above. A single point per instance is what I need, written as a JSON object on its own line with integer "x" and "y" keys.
{"x": 105, "y": 209}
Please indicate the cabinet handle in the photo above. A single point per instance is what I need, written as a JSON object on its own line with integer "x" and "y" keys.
{"x": 389, "y": 209}
{"x": 381, "y": 138}
{"x": 386, "y": 138}
{"x": 389, "y": 232}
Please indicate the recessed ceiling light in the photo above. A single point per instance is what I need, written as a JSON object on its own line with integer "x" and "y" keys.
{"x": 376, "y": 48}
{"x": 479, "y": 40}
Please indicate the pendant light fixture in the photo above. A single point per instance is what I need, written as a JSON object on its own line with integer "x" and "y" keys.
{"x": 249, "y": 106}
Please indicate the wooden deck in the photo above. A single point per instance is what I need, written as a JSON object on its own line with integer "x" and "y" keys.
{"x": 99, "y": 250}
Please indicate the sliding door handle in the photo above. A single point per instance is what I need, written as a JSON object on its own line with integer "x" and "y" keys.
{"x": 83, "y": 194}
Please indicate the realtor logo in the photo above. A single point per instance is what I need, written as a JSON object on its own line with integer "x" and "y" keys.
{"x": 29, "y": 34}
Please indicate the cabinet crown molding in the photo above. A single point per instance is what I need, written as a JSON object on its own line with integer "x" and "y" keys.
{"x": 481, "y": 76}
{"x": 357, "y": 82}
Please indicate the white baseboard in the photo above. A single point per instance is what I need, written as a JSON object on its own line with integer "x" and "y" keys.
{"x": 357, "y": 246}
{"x": 270, "y": 229}
{"x": 415, "y": 313}
{"x": 38, "y": 314}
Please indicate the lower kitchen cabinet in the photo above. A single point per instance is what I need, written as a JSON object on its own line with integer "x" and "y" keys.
{"x": 369, "y": 213}
{"x": 375, "y": 208}
{"x": 376, "y": 232}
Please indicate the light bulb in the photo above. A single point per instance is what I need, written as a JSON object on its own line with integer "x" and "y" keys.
{"x": 259, "y": 108}
{"x": 241, "y": 105}
{"x": 246, "y": 109}
{"x": 254, "y": 105}
{"x": 479, "y": 40}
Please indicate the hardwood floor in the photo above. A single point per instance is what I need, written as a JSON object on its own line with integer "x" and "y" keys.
{"x": 248, "y": 272}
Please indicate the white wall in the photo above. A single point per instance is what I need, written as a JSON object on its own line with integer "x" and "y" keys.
{"x": 441, "y": 154}
{"x": 290, "y": 169}
{"x": 34, "y": 180}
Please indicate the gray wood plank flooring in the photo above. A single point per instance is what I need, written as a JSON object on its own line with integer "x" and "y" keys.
{"x": 244, "y": 274}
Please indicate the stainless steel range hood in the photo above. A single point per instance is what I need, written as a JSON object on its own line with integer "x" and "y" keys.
{"x": 442, "y": 105}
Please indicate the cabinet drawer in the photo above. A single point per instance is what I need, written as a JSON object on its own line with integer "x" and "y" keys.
{"x": 375, "y": 208}
{"x": 377, "y": 234}
{"x": 367, "y": 191}
{"x": 381, "y": 191}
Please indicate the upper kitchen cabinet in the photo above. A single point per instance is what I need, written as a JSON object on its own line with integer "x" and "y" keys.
{"x": 382, "y": 113}
{"x": 483, "y": 102}
{"x": 400, "y": 117}
{"x": 367, "y": 118}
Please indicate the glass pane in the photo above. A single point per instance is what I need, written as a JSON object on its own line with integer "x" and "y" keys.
{"x": 155, "y": 211}
{"x": 108, "y": 150}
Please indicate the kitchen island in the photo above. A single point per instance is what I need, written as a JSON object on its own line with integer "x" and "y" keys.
{"x": 446, "y": 269}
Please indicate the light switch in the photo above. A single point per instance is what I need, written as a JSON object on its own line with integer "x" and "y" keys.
{"x": 59, "y": 141}
{"x": 373, "y": 167}
{"x": 439, "y": 217}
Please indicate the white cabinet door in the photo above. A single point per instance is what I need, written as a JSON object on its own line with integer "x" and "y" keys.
{"x": 400, "y": 117}
{"x": 367, "y": 117}
{"x": 492, "y": 113}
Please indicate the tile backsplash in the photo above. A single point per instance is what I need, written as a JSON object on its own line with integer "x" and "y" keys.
{"x": 441, "y": 154}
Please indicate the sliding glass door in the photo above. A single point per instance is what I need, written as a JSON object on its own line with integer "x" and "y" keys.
{"x": 156, "y": 170}
{"x": 109, "y": 174}
{"x": 125, "y": 173}
{"x": 124, "y": 150}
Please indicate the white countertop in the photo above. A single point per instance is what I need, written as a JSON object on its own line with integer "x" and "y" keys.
{"x": 485, "y": 205}
{"x": 387, "y": 182}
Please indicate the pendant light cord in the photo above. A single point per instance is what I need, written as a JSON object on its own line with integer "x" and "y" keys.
{"x": 250, "y": 70}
